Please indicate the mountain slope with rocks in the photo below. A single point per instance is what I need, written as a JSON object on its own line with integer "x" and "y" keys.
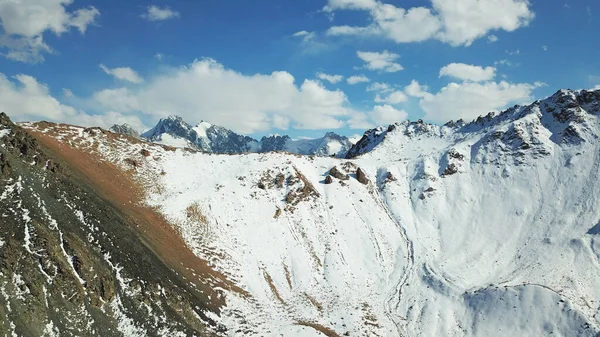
{"x": 488, "y": 228}
{"x": 75, "y": 261}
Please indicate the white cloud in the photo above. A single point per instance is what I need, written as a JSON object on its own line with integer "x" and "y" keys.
{"x": 504, "y": 62}
{"x": 159, "y": 56}
{"x": 468, "y": 72}
{"x": 206, "y": 90}
{"x": 123, "y": 73}
{"x": 352, "y": 80}
{"x": 378, "y": 86}
{"x": 384, "y": 61}
{"x": 310, "y": 42}
{"x": 469, "y": 100}
{"x": 330, "y": 78}
{"x": 26, "y": 99}
{"x": 108, "y": 119}
{"x": 333, "y": 5}
{"x": 67, "y": 93}
{"x": 457, "y": 22}
{"x": 24, "y": 23}
{"x": 492, "y": 38}
{"x": 414, "y": 89}
{"x": 387, "y": 114}
{"x": 596, "y": 87}
{"x": 155, "y": 13}
{"x": 513, "y": 52}
{"x": 305, "y": 35}
{"x": 355, "y": 138}
{"x": 545, "y": 48}
{"x": 360, "y": 121}
{"x": 393, "y": 98}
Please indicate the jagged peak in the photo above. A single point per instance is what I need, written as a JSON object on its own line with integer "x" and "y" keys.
{"x": 563, "y": 107}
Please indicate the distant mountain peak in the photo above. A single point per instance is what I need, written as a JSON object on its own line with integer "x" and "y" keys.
{"x": 125, "y": 129}
{"x": 207, "y": 137}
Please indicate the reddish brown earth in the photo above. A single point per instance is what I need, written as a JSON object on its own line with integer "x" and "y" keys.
{"x": 120, "y": 189}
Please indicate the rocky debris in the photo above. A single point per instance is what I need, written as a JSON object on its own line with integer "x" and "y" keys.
{"x": 336, "y": 173}
{"x": 303, "y": 192}
{"x": 145, "y": 153}
{"x": 453, "y": 153}
{"x": 277, "y": 213}
{"x": 328, "y": 180}
{"x": 361, "y": 176}
{"x": 269, "y": 180}
{"x": 450, "y": 170}
{"x": 132, "y": 162}
{"x": 125, "y": 129}
{"x": 390, "y": 177}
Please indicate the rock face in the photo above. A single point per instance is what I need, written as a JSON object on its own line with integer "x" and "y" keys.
{"x": 361, "y": 176}
{"x": 336, "y": 173}
{"x": 125, "y": 129}
{"x": 71, "y": 263}
{"x": 206, "y": 137}
{"x": 328, "y": 180}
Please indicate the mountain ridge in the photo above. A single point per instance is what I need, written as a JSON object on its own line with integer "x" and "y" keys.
{"x": 206, "y": 137}
{"x": 563, "y": 99}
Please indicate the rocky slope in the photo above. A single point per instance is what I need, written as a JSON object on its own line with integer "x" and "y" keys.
{"x": 487, "y": 228}
{"x": 174, "y": 131}
{"x": 74, "y": 261}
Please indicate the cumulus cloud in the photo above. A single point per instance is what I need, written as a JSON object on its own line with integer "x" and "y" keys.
{"x": 123, "y": 73}
{"x": 156, "y": 13}
{"x": 379, "y": 86}
{"x": 352, "y": 80}
{"x": 468, "y": 72}
{"x": 206, "y": 90}
{"x": 457, "y": 22}
{"x": 414, "y": 89}
{"x": 24, "y": 23}
{"x": 330, "y": 78}
{"x": 469, "y": 100}
{"x": 393, "y": 98}
{"x": 387, "y": 114}
{"x": 384, "y": 61}
{"x": 492, "y": 38}
{"x": 24, "y": 98}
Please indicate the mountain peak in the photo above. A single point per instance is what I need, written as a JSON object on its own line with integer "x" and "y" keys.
{"x": 207, "y": 137}
{"x": 562, "y": 116}
{"x": 125, "y": 129}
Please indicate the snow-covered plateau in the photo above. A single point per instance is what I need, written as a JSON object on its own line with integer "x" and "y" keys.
{"x": 488, "y": 228}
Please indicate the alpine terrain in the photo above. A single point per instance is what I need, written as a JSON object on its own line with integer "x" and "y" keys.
{"x": 174, "y": 131}
{"x": 482, "y": 228}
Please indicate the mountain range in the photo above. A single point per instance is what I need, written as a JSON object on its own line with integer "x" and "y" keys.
{"x": 482, "y": 228}
{"x": 174, "y": 131}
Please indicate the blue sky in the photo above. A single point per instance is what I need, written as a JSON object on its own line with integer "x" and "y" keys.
{"x": 289, "y": 67}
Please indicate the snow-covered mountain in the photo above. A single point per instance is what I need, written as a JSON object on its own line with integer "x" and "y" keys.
{"x": 174, "y": 131}
{"x": 488, "y": 228}
{"x": 125, "y": 129}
